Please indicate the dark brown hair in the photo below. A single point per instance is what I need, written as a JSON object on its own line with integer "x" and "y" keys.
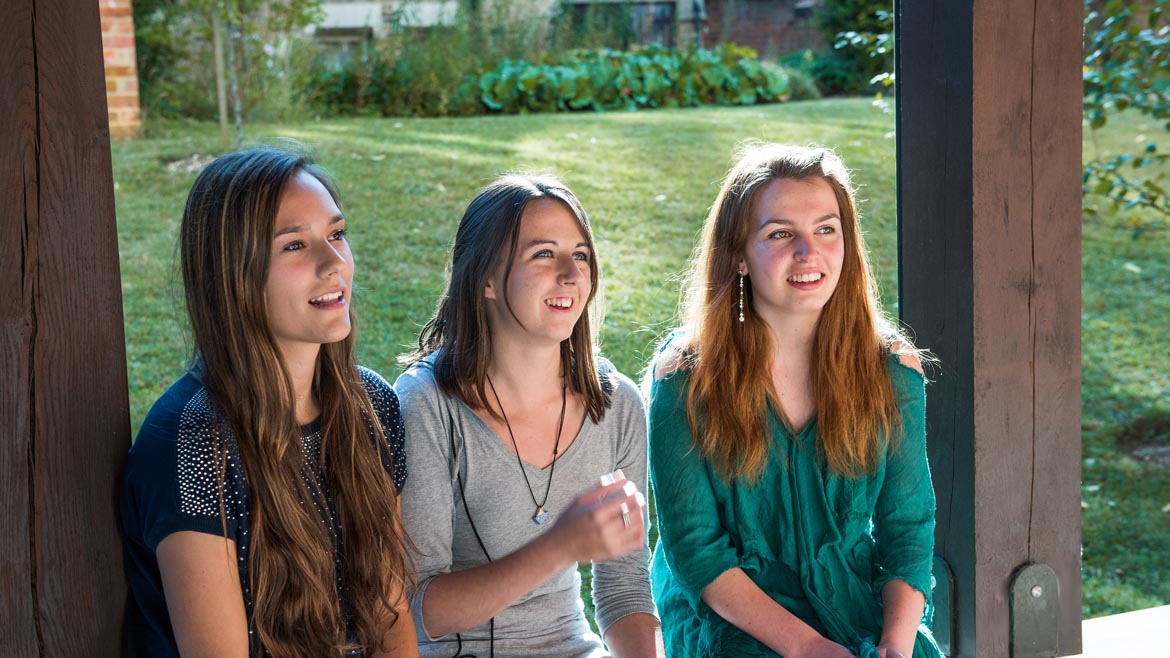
{"x": 225, "y": 249}
{"x": 730, "y": 385}
{"x": 459, "y": 333}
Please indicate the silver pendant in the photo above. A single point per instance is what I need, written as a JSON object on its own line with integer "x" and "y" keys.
{"x": 540, "y": 517}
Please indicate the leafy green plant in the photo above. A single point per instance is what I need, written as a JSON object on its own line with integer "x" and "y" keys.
{"x": 853, "y": 62}
{"x": 600, "y": 80}
{"x": 1127, "y": 68}
{"x": 650, "y": 77}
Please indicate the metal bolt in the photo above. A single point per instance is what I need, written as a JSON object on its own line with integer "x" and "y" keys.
{"x": 1037, "y": 591}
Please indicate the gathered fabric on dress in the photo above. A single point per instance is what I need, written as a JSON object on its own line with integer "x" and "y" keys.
{"x": 820, "y": 544}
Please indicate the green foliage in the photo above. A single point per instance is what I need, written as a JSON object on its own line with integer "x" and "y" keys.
{"x": 169, "y": 86}
{"x": 650, "y": 77}
{"x": 836, "y": 74}
{"x": 175, "y": 61}
{"x": 878, "y": 46}
{"x": 854, "y": 27}
{"x": 593, "y": 25}
{"x": 424, "y": 71}
{"x": 799, "y": 66}
{"x": 1127, "y": 68}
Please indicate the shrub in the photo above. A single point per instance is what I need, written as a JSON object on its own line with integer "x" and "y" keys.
{"x": 650, "y": 77}
{"x": 176, "y": 75}
{"x": 836, "y": 74}
{"x": 597, "y": 80}
{"x": 801, "y": 85}
{"x": 851, "y": 66}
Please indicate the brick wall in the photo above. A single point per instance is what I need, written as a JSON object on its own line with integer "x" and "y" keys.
{"x": 121, "y": 69}
{"x": 771, "y": 27}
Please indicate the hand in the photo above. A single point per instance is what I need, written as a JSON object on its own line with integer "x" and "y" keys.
{"x": 888, "y": 650}
{"x": 822, "y": 647}
{"x": 593, "y": 528}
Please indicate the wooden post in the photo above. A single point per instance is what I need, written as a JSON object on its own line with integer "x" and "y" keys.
{"x": 989, "y": 157}
{"x": 63, "y": 401}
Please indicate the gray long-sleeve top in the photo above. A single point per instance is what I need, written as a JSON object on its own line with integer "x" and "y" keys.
{"x": 549, "y": 621}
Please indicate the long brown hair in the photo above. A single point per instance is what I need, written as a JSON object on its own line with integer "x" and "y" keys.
{"x": 225, "y": 249}
{"x": 730, "y": 387}
{"x": 459, "y": 333}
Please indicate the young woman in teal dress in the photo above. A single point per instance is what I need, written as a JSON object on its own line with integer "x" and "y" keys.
{"x": 787, "y": 440}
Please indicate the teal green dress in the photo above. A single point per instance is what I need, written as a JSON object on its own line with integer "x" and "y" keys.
{"x": 819, "y": 544}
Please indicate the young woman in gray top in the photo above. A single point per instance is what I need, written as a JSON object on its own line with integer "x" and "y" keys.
{"x": 527, "y": 454}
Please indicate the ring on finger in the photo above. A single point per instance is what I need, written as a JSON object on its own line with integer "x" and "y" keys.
{"x": 625, "y": 515}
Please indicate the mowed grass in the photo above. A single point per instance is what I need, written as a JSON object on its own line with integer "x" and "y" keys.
{"x": 1125, "y": 368}
{"x": 647, "y": 180}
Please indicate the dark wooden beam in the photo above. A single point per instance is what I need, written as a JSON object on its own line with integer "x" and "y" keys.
{"x": 989, "y": 153}
{"x": 63, "y": 393}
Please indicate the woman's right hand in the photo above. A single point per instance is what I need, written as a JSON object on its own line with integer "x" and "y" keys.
{"x": 593, "y": 528}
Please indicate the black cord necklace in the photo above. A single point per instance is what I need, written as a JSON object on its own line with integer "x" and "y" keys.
{"x": 541, "y": 516}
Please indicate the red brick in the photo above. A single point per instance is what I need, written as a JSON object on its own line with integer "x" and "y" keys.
{"x": 117, "y": 100}
{"x": 115, "y": 12}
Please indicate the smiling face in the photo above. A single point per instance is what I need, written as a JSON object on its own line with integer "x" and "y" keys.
{"x": 549, "y": 284}
{"x": 311, "y": 270}
{"x": 795, "y": 248}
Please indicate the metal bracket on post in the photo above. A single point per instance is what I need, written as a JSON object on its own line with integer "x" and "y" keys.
{"x": 1035, "y": 607}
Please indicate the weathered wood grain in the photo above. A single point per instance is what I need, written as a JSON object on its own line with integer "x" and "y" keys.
{"x": 17, "y": 202}
{"x": 989, "y": 153}
{"x": 64, "y": 387}
{"x": 1056, "y": 140}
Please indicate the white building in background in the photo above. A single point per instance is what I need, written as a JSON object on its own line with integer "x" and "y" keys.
{"x": 347, "y": 23}
{"x": 375, "y": 18}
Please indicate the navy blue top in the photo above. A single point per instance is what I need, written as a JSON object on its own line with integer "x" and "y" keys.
{"x": 172, "y": 483}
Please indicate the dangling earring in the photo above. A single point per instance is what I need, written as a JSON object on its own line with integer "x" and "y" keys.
{"x": 741, "y": 297}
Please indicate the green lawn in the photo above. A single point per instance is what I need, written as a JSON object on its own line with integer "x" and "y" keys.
{"x": 647, "y": 180}
{"x": 1126, "y": 387}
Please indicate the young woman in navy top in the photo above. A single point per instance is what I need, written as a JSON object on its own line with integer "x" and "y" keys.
{"x": 259, "y": 507}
